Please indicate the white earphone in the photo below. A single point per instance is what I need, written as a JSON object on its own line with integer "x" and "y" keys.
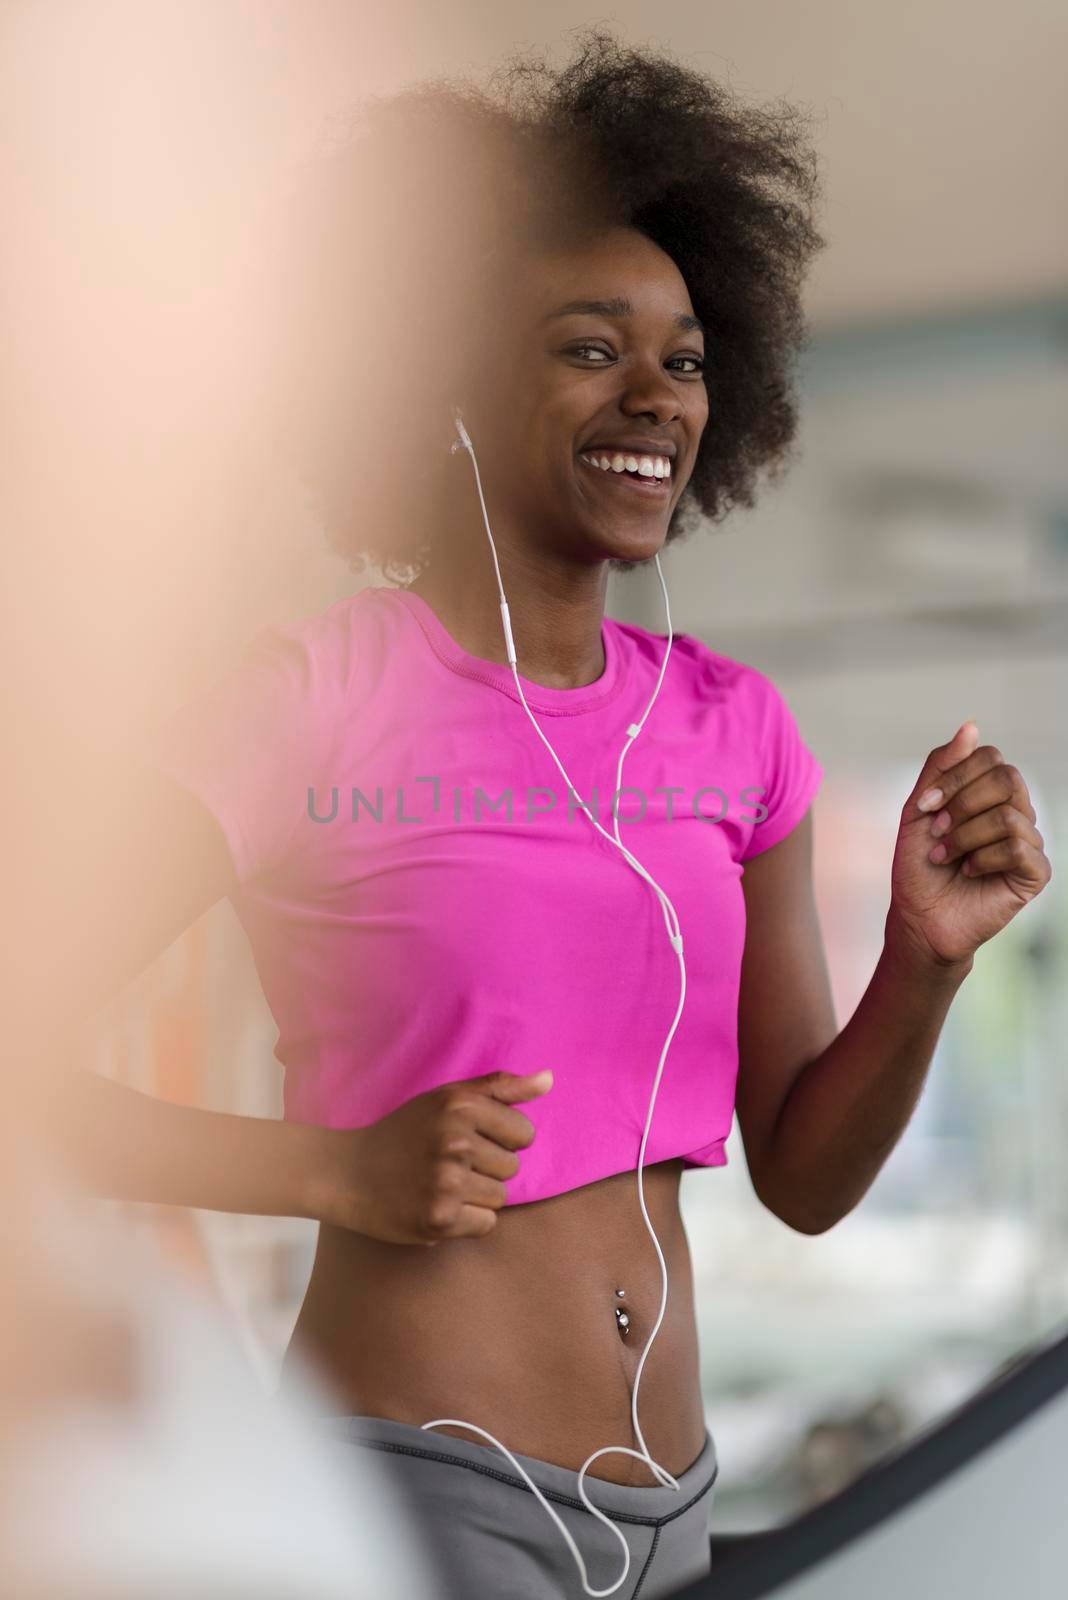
{"x": 675, "y": 938}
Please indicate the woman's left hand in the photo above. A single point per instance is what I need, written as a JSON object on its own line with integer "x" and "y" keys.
{"x": 993, "y": 861}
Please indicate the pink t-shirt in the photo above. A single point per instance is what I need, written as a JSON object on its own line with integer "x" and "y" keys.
{"x": 426, "y": 902}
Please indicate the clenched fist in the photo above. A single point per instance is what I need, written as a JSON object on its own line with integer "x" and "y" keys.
{"x": 969, "y": 855}
{"x": 435, "y": 1168}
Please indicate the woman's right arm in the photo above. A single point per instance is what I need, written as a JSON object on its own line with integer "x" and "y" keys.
{"x": 103, "y": 907}
{"x": 125, "y": 1145}
{"x": 434, "y": 1168}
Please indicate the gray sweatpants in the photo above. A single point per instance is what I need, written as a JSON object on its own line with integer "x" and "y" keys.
{"x": 485, "y": 1534}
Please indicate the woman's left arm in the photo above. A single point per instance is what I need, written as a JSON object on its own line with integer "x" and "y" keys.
{"x": 820, "y": 1111}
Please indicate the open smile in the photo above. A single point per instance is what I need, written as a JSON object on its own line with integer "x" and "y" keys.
{"x": 652, "y": 488}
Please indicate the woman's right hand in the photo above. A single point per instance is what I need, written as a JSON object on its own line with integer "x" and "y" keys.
{"x": 435, "y": 1168}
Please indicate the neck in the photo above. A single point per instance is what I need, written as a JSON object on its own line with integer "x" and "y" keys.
{"x": 556, "y": 613}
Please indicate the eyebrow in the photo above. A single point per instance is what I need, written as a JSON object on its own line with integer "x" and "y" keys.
{"x": 619, "y": 307}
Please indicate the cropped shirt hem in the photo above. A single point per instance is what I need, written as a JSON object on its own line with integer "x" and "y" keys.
{"x": 709, "y": 1155}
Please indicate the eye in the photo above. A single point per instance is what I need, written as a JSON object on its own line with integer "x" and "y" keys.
{"x": 578, "y": 349}
{"x": 696, "y": 363}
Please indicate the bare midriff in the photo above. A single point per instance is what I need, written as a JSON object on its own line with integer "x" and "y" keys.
{"x": 521, "y": 1332}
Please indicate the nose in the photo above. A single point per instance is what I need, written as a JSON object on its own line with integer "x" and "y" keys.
{"x": 648, "y": 391}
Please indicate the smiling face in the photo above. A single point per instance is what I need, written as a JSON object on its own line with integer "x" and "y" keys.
{"x": 604, "y": 368}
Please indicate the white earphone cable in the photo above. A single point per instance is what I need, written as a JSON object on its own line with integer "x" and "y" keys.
{"x": 675, "y": 936}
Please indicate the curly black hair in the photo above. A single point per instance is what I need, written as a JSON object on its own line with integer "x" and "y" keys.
{"x": 396, "y": 239}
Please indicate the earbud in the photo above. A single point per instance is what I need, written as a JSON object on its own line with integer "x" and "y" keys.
{"x": 464, "y": 441}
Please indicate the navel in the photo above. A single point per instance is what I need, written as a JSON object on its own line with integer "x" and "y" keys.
{"x": 622, "y": 1318}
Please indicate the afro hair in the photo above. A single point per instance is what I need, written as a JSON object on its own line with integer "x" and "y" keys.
{"x": 395, "y": 240}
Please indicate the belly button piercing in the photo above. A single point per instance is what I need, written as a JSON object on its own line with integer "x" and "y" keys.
{"x": 623, "y": 1321}
{"x": 621, "y": 1293}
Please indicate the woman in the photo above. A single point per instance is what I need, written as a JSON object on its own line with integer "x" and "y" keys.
{"x": 601, "y": 268}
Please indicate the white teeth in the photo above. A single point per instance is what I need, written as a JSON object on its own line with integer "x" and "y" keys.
{"x": 645, "y": 466}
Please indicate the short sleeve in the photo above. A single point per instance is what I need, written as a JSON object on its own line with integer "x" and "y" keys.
{"x": 789, "y": 773}
{"x": 250, "y": 747}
